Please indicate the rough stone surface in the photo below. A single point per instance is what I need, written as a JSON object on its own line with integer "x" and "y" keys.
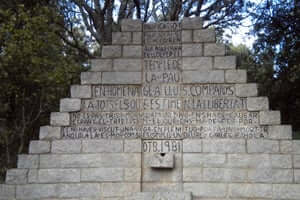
{"x": 102, "y": 175}
{"x": 257, "y": 103}
{"x": 262, "y": 146}
{"x": 49, "y": 132}
{"x": 203, "y": 77}
{"x": 204, "y": 35}
{"x": 112, "y": 51}
{"x": 66, "y": 146}
{"x": 246, "y": 90}
{"x": 102, "y": 146}
{"x": 225, "y": 62}
{"x": 269, "y": 117}
{"x": 133, "y": 146}
{"x": 101, "y": 65}
{"x": 81, "y": 91}
{"x": 38, "y": 147}
{"x": 224, "y": 146}
{"x": 132, "y": 51}
{"x": 8, "y": 192}
{"x": 59, "y": 175}
{"x": 131, "y": 25}
{"x": 200, "y": 63}
{"x": 187, "y": 36}
{"x": 213, "y": 49}
{"x": 236, "y": 76}
{"x": 121, "y": 38}
{"x": 28, "y": 161}
{"x": 88, "y": 78}
{"x": 192, "y": 49}
{"x": 192, "y": 146}
{"x": 16, "y": 176}
{"x": 60, "y": 119}
{"x": 212, "y": 190}
{"x": 122, "y": 78}
{"x": 126, "y": 65}
{"x": 250, "y": 190}
{"x": 192, "y": 23}
{"x": 280, "y": 132}
{"x": 161, "y": 195}
{"x": 69, "y": 105}
{"x": 162, "y": 160}
{"x": 137, "y": 38}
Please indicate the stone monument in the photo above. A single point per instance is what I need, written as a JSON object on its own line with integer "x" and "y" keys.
{"x": 163, "y": 115}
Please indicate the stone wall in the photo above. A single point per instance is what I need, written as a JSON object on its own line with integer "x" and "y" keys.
{"x": 164, "y": 114}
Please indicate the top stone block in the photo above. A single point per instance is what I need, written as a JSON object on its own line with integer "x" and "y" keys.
{"x": 192, "y": 23}
{"x": 162, "y": 26}
{"x": 131, "y": 25}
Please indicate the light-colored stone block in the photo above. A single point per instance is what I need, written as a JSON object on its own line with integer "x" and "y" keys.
{"x": 102, "y": 175}
{"x": 81, "y": 91}
{"x": 269, "y": 117}
{"x": 286, "y": 146}
{"x": 197, "y": 63}
{"x": 99, "y": 65}
{"x": 38, "y": 147}
{"x": 131, "y": 25}
{"x": 296, "y": 161}
{"x": 225, "y": 62}
{"x": 280, "y": 132}
{"x": 192, "y": 23}
{"x": 132, "y": 51}
{"x": 28, "y": 161}
{"x": 7, "y": 192}
{"x": 120, "y": 189}
{"x": 36, "y": 191}
{"x": 262, "y": 146}
{"x": 79, "y": 190}
{"x": 236, "y": 76}
{"x": 203, "y": 77}
{"x": 59, "y": 119}
{"x": 216, "y": 190}
{"x": 121, "y": 38}
{"x": 16, "y": 176}
{"x": 250, "y": 190}
{"x": 261, "y": 175}
{"x": 69, "y": 105}
{"x": 192, "y": 174}
{"x": 122, "y": 78}
{"x": 224, "y": 146}
{"x": 192, "y": 146}
{"x": 186, "y": 36}
{"x": 282, "y": 175}
{"x": 192, "y": 49}
{"x": 66, "y": 146}
{"x": 297, "y": 175}
{"x": 224, "y": 175}
{"x": 111, "y": 51}
{"x": 246, "y": 90}
{"x": 162, "y": 160}
{"x": 160, "y": 196}
{"x": 296, "y": 147}
{"x": 214, "y": 49}
{"x": 257, "y": 103}
{"x": 132, "y": 174}
{"x": 127, "y": 65}
{"x": 281, "y": 161}
{"x": 59, "y": 175}
{"x": 204, "y": 35}
{"x": 248, "y": 161}
{"x": 33, "y": 176}
{"x": 102, "y": 146}
{"x": 203, "y": 160}
{"x": 286, "y": 191}
{"x": 137, "y": 38}
{"x": 133, "y": 146}
{"x": 162, "y": 187}
{"x": 49, "y": 132}
{"x": 90, "y": 78}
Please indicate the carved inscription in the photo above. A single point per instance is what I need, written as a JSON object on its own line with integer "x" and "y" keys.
{"x": 162, "y": 146}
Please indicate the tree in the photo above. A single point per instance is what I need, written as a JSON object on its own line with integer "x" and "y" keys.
{"x": 36, "y": 69}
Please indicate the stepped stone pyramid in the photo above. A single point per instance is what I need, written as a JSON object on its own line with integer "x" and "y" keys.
{"x": 164, "y": 114}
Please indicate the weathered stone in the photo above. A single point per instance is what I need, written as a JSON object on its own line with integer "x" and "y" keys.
{"x": 250, "y": 190}
{"x": 111, "y": 51}
{"x": 7, "y": 192}
{"x": 28, "y": 161}
{"x": 38, "y": 147}
{"x": 197, "y": 63}
{"x": 281, "y": 161}
{"x": 88, "y": 78}
{"x": 160, "y": 195}
{"x": 59, "y": 175}
{"x": 297, "y": 175}
{"x": 257, "y": 103}
{"x": 162, "y": 160}
{"x": 286, "y": 146}
{"x": 236, "y": 76}
{"x": 225, "y": 62}
{"x": 131, "y": 25}
{"x": 162, "y": 187}
{"x": 132, "y": 174}
{"x": 137, "y": 38}
{"x": 224, "y": 146}
{"x": 192, "y": 23}
{"x": 102, "y": 146}
{"x": 99, "y": 65}
{"x": 69, "y": 105}
{"x": 121, "y": 38}
{"x": 203, "y": 77}
{"x": 206, "y": 189}
{"x": 133, "y": 146}
{"x": 102, "y": 175}
{"x": 119, "y": 189}
{"x": 192, "y": 146}
{"x": 224, "y": 175}
{"x": 249, "y": 161}
{"x": 49, "y": 132}
{"x": 296, "y": 147}
{"x": 204, "y": 35}
{"x": 296, "y": 161}
{"x": 132, "y": 51}
{"x": 33, "y": 176}
{"x": 122, "y": 78}
{"x": 286, "y": 191}
{"x": 192, "y": 174}
{"x": 262, "y": 146}
{"x": 60, "y": 119}
{"x": 213, "y": 49}
{"x": 282, "y": 176}
{"x": 246, "y": 90}
{"x": 280, "y": 132}
{"x": 81, "y": 91}
{"x": 66, "y": 146}
{"x": 200, "y": 160}
{"x": 126, "y": 65}
{"x": 16, "y": 176}
{"x": 269, "y": 117}
{"x": 186, "y": 36}
{"x": 35, "y": 191}
{"x": 192, "y": 49}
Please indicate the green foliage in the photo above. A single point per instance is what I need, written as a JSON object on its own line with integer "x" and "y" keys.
{"x": 36, "y": 69}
